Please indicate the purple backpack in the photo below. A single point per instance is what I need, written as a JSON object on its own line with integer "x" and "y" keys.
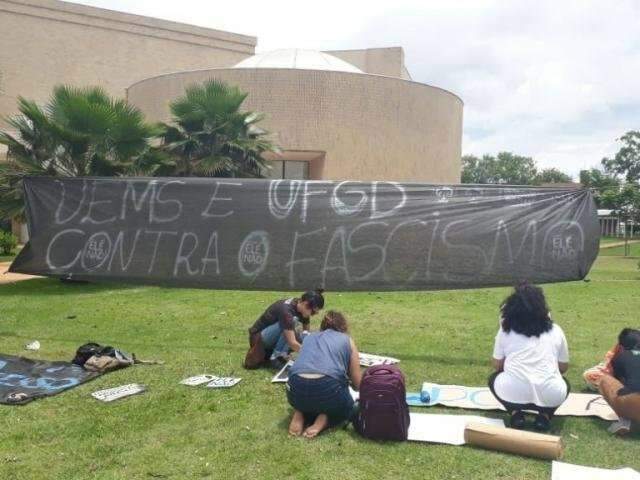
{"x": 384, "y": 413}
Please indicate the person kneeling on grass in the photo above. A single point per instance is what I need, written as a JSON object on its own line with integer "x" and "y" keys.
{"x": 273, "y": 336}
{"x": 530, "y": 354}
{"x": 318, "y": 385}
{"x": 622, "y": 389}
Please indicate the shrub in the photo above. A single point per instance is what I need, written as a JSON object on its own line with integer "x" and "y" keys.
{"x": 8, "y": 242}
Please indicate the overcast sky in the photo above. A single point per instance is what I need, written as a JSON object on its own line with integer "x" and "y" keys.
{"x": 555, "y": 80}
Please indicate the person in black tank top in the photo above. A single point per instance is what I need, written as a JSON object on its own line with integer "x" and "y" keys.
{"x": 272, "y": 336}
{"x": 622, "y": 389}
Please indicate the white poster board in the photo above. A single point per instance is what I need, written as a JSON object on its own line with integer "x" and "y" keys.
{"x": 449, "y": 429}
{"x": 568, "y": 471}
{"x": 111, "y": 394}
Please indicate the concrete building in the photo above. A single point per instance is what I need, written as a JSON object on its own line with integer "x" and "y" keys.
{"x": 348, "y": 114}
{"x": 48, "y": 42}
{"x": 334, "y": 120}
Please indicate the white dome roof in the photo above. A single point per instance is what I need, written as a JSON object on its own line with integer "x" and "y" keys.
{"x": 300, "y": 59}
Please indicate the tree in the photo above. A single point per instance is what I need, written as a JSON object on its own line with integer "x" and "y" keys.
{"x": 626, "y": 162}
{"x": 552, "y": 175}
{"x": 625, "y": 204}
{"x": 506, "y": 168}
{"x": 477, "y": 170}
{"x": 80, "y": 131}
{"x": 210, "y": 136}
{"x": 601, "y": 183}
{"x": 597, "y": 179}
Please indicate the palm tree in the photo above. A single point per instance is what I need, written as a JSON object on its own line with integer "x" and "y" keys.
{"x": 210, "y": 136}
{"x": 80, "y": 131}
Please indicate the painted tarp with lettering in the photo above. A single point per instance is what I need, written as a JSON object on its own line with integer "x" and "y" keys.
{"x": 481, "y": 398}
{"x": 23, "y": 380}
{"x": 294, "y": 235}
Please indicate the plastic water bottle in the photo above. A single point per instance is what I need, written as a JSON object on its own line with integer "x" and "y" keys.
{"x": 424, "y": 396}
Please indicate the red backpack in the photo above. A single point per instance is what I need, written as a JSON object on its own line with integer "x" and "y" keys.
{"x": 384, "y": 413}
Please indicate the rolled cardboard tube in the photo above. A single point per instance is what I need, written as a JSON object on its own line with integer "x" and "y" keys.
{"x": 510, "y": 440}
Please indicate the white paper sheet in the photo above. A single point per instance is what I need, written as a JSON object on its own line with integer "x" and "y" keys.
{"x": 223, "y": 382}
{"x": 369, "y": 360}
{"x": 568, "y": 471}
{"x": 198, "y": 380}
{"x": 111, "y": 394}
{"x": 449, "y": 429}
{"x": 283, "y": 375}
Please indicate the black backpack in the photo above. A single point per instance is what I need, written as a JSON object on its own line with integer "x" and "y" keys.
{"x": 88, "y": 350}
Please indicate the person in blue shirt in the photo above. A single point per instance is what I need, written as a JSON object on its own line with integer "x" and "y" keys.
{"x": 318, "y": 385}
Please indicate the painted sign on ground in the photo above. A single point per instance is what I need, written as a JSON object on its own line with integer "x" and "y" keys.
{"x": 294, "y": 234}
{"x": 481, "y": 398}
{"x": 23, "y": 380}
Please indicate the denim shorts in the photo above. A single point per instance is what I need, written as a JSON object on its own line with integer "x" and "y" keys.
{"x": 313, "y": 396}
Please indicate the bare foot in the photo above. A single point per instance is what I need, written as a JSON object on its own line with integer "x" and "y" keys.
{"x": 297, "y": 424}
{"x": 322, "y": 422}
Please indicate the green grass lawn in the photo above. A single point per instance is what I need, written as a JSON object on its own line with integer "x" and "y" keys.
{"x": 619, "y": 251}
{"x": 173, "y": 431}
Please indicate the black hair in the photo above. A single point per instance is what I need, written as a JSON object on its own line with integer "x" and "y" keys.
{"x": 525, "y": 311}
{"x": 629, "y": 339}
{"x": 314, "y": 298}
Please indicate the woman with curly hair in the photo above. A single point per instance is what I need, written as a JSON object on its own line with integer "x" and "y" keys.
{"x": 530, "y": 355}
{"x": 318, "y": 385}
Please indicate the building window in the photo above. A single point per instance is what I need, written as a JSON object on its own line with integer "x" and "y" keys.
{"x": 289, "y": 169}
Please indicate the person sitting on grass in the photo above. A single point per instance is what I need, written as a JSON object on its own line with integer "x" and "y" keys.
{"x": 318, "y": 385}
{"x": 622, "y": 389}
{"x": 530, "y": 355}
{"x": 273, "y": 336}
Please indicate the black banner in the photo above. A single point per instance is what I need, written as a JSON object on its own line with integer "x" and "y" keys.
{"x": 294, "y": 234}
{"x": 23, "y": 380}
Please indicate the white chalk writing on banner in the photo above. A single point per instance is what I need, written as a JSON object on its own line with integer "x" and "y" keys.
{"x": 444, "y": 194}
{"x": 291, "y": 264}
{"x": 207, "y": 213}
{"x": 564, "y": 245}
{"x": 160, "y": 208}
{"x": 181, "y": 258}
{"x": 211, "y": 256}
{"x": 118, "y": 246}
{"x": 296, "y": 188}
{"x": 383, "y": 233}
{"x": 343, "y": 208}
{"x": 277, "y": 209}
{"x": 463, "y": 249}
{"x": 59, "y": 219}
{"x": 96, "y": 251}
{"x": 92, "y": 204}
{"x": 253, "y": 254}
{"x": 158, "y": 235}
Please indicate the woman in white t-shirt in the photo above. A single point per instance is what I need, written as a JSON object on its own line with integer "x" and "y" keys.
{"x": 530, "y": 355}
